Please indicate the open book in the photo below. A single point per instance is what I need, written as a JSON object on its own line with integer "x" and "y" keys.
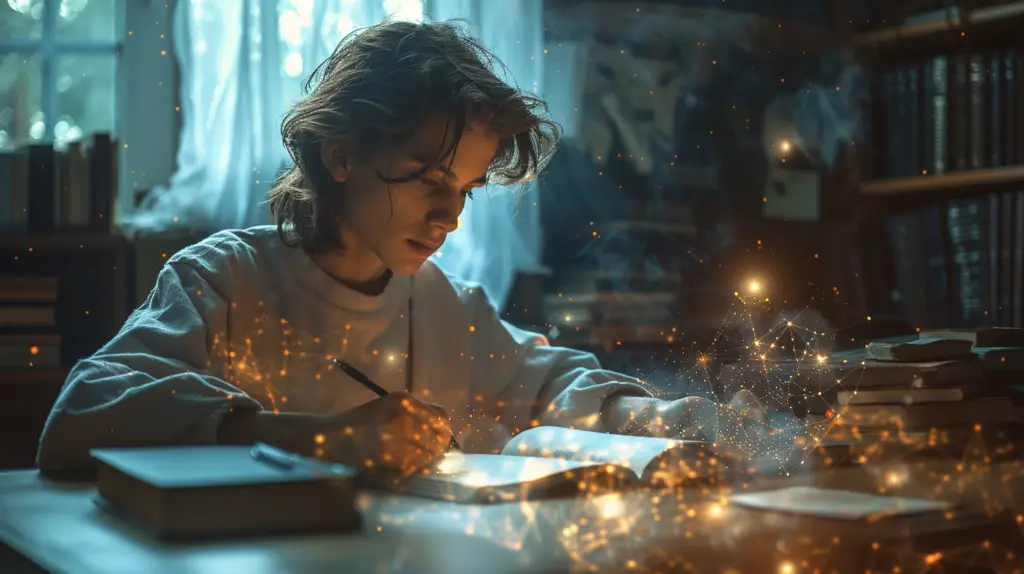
{"x": 546, "y": 462}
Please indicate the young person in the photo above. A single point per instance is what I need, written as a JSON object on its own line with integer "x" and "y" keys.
{"x": 235, "y": 342}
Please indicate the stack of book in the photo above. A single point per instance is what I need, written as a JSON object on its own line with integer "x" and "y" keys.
{"x": 950, "y": 380}
{"x": 28, "y": 334}
{"x": 43, "y": 189}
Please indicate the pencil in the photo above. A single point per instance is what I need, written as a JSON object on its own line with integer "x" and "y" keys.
{"x": 362, "y": 379}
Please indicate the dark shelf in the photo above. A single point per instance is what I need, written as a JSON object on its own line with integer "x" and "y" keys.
{"x": 960, "y": 182}
{"x": 980, "y": 24}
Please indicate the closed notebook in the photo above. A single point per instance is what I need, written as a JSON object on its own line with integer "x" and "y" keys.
{"x": 546, "y": 462}
{"x": 985, "y": 411}
{"x": 908, "y": 396}
{"x": 981, "y": 337}
{"x": 924, "y": 349}
{"x": 1001, "y": 359}
{"x": 909, "y": 375}
{"x": 204, "y": 491}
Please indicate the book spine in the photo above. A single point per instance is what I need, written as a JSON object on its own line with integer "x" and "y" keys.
{"x": 892, "y": 124}
{"x": 115, "y": 182}
{"x": 63, "y": 189}
{"x": 1018, "y": 263}
{"x": 938, "y": 286}
{"x": 976, "y": 121}
{"x": 996, "y": 117}
{"x": 1008, "y": 210}
{"x": 915, "y": 162}
{"x": 940, "y": 104}
{"x": 910, "y": 267}
{"x": 991, "y": 253}
{"x": 1018, "y": 104}
{"x": 920, "y": 299}
{"x": 101, "y": 182}
{"x": 78, "y": 186}
{"x": 1009, "y": 107}
{"x": 959, "y": 114}
{"x": 965, "y": 233}
{"x": 896, "y": 229}
{"x": 928, "y": 117}
{"x": 42, "y": 198}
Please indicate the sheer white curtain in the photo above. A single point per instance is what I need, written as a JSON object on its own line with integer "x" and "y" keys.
{"x": 243, "y": 63}
{"x": 499, "y": 233}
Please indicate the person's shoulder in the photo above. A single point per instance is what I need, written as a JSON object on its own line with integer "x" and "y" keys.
{"x": 230, "y": 248}
{"x": 469, "y": 293}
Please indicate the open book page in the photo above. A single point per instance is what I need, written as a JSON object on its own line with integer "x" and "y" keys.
{"x": 483, "y": 478}
{"x": 645, "y": 456}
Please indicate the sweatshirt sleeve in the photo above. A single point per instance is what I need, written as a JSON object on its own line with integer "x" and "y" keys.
{"x": 526, "y": 382}
{"x": 155, "y": 383}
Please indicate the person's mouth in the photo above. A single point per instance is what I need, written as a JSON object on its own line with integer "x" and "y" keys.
{"x": 423, "y": 248}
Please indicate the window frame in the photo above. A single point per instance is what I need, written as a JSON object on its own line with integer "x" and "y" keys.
{"x": 49, "y": 47}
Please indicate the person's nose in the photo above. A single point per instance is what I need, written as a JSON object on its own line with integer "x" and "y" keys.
{"x": 444, "y": 218}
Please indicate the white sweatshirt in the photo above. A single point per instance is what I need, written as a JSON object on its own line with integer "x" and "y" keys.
{"x": 240, "y": 321}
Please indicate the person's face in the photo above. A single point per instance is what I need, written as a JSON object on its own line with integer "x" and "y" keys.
{"x": 402, "y": 226}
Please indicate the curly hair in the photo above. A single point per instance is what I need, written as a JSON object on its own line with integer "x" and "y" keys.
{"x": 375, "y": 91}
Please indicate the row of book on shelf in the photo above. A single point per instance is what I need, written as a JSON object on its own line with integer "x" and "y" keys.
{"x": 44, "y": 189}
{"x": 28, "y": 323}
{"x": 977, "y": 278}
{"x": 953, "y": 112}
{"x": 927, "y": 390}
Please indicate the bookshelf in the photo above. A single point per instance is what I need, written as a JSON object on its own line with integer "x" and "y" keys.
{"x": 947, "y": 100}
{"x": 94, "y": 278}
{"x": 66, "y": 277}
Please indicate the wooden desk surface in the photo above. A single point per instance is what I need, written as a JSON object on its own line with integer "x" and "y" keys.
{"x": 57, "y": 526}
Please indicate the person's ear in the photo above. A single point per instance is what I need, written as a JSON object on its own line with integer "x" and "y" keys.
{"x": 336, "y": 160}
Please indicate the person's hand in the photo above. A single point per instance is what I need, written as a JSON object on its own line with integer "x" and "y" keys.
{"x": 689, "y": 417}
{"x": 397, "y": 432}
{"x": 394, "y": 433}
{"x": 696, "y": 418}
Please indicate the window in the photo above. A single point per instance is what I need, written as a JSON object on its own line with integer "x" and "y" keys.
{"x": 58, "y": 69}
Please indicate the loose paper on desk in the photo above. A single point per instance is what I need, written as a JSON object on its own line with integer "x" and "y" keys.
{"x": 838, "y": 504}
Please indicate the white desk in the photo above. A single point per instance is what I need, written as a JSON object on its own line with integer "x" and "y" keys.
{"x": 57, "y": 526}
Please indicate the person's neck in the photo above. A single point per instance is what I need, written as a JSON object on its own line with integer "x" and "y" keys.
{"x": 361, "y": 272}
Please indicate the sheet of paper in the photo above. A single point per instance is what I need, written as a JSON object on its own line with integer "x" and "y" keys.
{"x": 837, "y": 504}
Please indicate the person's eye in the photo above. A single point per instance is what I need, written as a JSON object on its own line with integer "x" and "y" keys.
{"x": 430, "y": 182}
{"x": 468, "y": 193}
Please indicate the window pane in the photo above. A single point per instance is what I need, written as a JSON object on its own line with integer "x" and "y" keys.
{"x": 85, "y": 95}
{"x": 21, "y": 18}
{"x": 86, "y": 19}
{"x": 21, "y": 116}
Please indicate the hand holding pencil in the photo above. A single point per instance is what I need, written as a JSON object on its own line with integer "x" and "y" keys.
{"x": 362, "y": 379}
